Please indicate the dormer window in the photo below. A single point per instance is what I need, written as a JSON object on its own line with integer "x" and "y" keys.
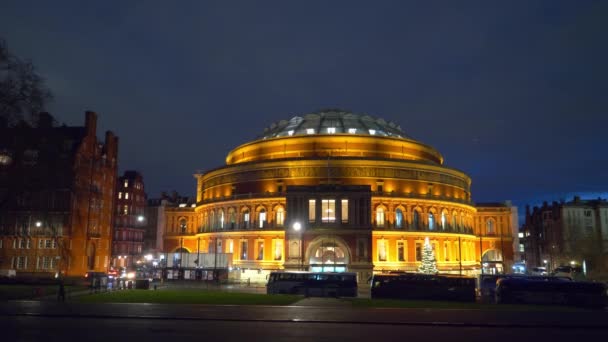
{"x": 310, "y": 131}
{"x": 331, "y": 130}
{"x": 290, "y": 132}
{"x": 372, "y": 131}
{"x": 352, "y": 130}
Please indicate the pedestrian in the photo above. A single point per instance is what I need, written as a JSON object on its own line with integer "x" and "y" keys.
{"x": 61, "y": 292}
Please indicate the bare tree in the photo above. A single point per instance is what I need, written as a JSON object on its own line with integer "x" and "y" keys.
{"x": 23, "y": 93}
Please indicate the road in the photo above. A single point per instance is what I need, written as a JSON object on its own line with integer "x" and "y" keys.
{"x": 34, "y": 321}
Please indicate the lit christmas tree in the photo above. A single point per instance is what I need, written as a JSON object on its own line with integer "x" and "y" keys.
{"x": 429, "y": 264}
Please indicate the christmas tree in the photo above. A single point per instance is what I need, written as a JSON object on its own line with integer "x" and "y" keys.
{"x": 429, "y": 264}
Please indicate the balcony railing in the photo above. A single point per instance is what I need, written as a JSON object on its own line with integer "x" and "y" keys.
{"x": 253, "y": 225}
{"x": 423, "y": 228}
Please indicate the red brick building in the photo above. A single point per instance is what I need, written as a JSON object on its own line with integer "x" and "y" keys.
{"x": 56, "y": 197}
{"x": 129, "y": 228}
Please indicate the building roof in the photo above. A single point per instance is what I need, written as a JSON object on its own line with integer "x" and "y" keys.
{"x": 333, "y": 121}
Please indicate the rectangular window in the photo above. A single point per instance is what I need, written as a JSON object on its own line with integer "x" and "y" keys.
{"x": 243, "y": 250}
{"x": 260, "y": 250}
{"x": 22, "y": 243}
{"x": 126, "y": 195}
{"x": 446, "y": 251}
{"x": 230, "y": 244}
{"x": 119, "y": 195}
{"x": 329, "y": 210}
{"x": 312, "y": 210}
{"x": 400, "y": 251}
{"x": 278, "y": 250}
{"x": 125, "y": 210}
{"x": 382, "y": 250}
{"x": 126, "y": 184}
{"x": 521, "y": 248}
{"x": 344, "y": 210}
{"x": 418, "y": 251}
{"x": 41, "y": 244}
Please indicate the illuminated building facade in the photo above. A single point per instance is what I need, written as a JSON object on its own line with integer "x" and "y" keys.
{"x": 129, "y": 229}
{"x": 56, "y": 197}
{"x": 337, "y": 191}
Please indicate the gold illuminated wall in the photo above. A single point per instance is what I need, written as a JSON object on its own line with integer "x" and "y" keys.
{"x": 402, "y": 173}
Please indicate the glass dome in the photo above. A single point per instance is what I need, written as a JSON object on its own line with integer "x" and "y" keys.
{"x": 333, "y": 122}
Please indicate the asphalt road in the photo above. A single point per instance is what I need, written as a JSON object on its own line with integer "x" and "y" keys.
{"x": 313, "y": 319}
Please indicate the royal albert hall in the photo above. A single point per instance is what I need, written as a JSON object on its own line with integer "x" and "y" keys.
{"x": 342, "y": 192}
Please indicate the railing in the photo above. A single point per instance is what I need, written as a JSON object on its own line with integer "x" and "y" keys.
{"x": 240, "y": 226}
{"x": 421, "y": 196}
{"x": 374, "y": 193}
{"x": 423, "y": 228}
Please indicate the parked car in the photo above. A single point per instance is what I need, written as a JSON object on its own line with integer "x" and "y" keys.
{"x": 571, "y": 272}
{"x": 538, "y": 271}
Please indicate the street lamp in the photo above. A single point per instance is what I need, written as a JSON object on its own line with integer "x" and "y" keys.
{"x": 297, "y": 227}
{"x": 38, "y": 224}
{"x": 140, "y": 218}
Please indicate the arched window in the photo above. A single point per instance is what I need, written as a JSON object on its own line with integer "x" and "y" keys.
{"x": 380, "y": 217}
{"x": 221, "y": 219}
{"x": 262, "y": 217}
{"x": 212, "y": 219}
{"x": 232, "y": 215}
{"x": 246, "y": 218}
{"x": 280, "y": 217}
{"x": 490, "y": 228}
{"x": 443, "y": 220}
{"x": 454, "y": 221}
{"x": 398, "y": 218}
{"x": 182, "y": 226}
{"x": 431, "y": 221}
{"x": 416, "y": 219}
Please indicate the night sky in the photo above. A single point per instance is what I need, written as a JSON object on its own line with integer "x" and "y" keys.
{"x": 514, "y": 93}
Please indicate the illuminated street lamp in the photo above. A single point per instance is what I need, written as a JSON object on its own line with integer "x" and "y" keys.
{"x": 38, "y": 224}
{"x": 140, "y": 218}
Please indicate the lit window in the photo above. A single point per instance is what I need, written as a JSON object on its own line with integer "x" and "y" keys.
{"x": 310, "y": 131}
{"x": 352, "y": 130}
{"x": 431, "y": 221}
{"x": 520, "y": 235}
{"x": 416, "y": 219}
{"x": 290, "y": 132}
{"x": 126, "y": 195}
{"x": 260, "y": 250}
{"x": 344, "y": 209}
{"x": 380, "y": 217}
{"x": 443, "y": 220}
{"x": 329, "y": 210}
{"x": 126, "y": 184}
{"x": 398, "y": 218}
{"x": 280, "y": 217}
{"x": 400, "y": 251}
{"x": 262, "y": 218}
{"x": 125, "y": 210}
{"x": 372, "y": 131}
{"x": 490, "y": 227}
{"x": 331, "y": 130}
{"x": 222, "y": 219}
{"x": 312, "y": 210}
{"x": 381, "y": 250}
{"x": 119, "y": 195}
{"x": 243, "y": 250}
{"x": 278, "y": 250}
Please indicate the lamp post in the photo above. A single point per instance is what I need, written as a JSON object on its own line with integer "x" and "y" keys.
{"x": 297, "y": 226}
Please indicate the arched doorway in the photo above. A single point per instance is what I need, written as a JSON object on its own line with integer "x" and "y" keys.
{"x": 328, "y": 254}
{"x": 492, "y": 262}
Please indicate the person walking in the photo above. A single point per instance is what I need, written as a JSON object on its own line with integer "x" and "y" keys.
{"x": 61, "y": 292}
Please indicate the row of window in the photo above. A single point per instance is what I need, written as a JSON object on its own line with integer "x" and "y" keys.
{"x": 42, "y": 262}
{"x": 328, "y": 210}
{"x": 127, "y": 195}
{"x": 27, "y": 243}
{"x": 451, "y": 250}
{"x": 136, "y": 185}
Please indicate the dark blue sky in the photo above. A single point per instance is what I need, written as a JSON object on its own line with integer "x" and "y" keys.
{"x": 514, "y": 93}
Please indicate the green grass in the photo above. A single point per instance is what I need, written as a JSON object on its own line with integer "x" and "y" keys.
{"x": 20, "y": 291}
{"x": 428, "y": 304}
{"x": 188, "y": 296}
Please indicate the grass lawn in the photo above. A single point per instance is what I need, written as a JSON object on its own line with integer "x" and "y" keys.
{"x": 20, "y": 291}
{"x": 428, "y": 304}
{"x": 188, "y": 296}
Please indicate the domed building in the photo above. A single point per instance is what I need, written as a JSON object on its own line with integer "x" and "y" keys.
{"x": 336, "y": 191}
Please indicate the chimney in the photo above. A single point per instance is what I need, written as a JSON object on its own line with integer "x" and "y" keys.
{"x": 90, "y": 122}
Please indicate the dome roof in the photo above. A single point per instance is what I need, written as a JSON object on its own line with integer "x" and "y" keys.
{"x": 333, "y": 121}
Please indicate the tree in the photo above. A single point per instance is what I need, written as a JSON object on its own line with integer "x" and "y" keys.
{"x": 429, "y": 264}
{"x": 23, "y": 93}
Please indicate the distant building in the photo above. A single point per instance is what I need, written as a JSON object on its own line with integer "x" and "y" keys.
{"x": 564, "y": 233}
{"x": 56, "y": 197}
{"x": 129, "y": 228}
{"x": 156, "y": 220}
